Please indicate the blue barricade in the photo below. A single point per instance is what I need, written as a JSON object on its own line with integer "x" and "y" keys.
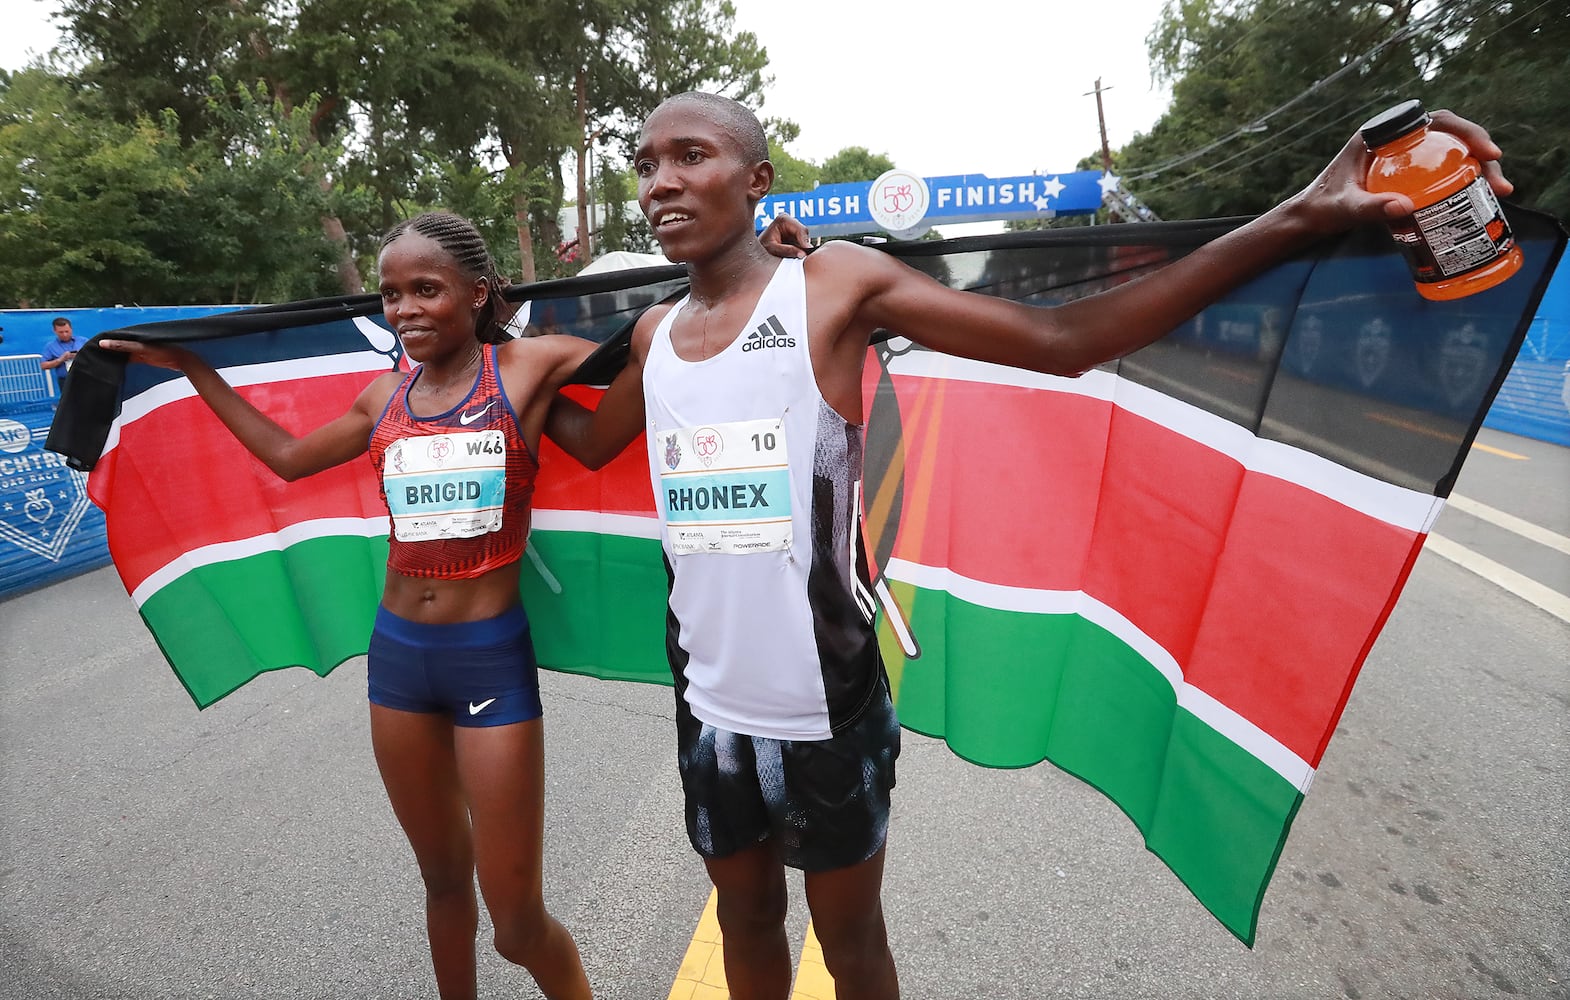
{"x": 49, "y": 530}
{"x": 23, "y": 379}
{"x": 1535, "y": 398}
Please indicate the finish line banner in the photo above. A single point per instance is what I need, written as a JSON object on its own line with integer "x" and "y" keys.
{"x": 904, "y": 205}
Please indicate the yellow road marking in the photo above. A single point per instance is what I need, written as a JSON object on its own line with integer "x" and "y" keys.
{"x": 813, "y": 981}
{"x": 1500, "y": 452}
{"x": 1409, "y": 425}
{"x": 701, "y": 975}
{"x": 702, "y": 972}
{"x": 1236, "y": 376}
{"x": 1417, "y": 428}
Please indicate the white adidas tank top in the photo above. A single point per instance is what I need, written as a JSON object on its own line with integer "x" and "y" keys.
{"x": 757, "y": 480}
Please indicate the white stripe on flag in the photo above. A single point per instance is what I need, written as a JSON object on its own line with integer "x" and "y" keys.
{"x": 1413, "y": 510}
{"x": 176, "y": 389}
{"x": 276, "y": 541}
{"x": 597, "y": 523}
{"x": 1224, "y": 720}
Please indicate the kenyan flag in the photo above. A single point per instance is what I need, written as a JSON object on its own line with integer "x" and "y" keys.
{"x": 235, "y": 571}
{"x": 1162, "y": 576}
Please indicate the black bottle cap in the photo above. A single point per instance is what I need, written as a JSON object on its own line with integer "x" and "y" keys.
{"x": 1393, "y": 123}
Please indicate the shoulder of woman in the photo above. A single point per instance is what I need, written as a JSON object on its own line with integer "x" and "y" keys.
{"x": 373, "y": 398}
{"x": 539, "y": 348}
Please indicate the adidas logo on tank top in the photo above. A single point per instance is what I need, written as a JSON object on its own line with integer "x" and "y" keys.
{"x": 770, "y": 333}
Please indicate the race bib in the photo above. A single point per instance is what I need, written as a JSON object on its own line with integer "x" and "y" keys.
{"x": 725, "y": 488}
{"x": 446, "y": 485}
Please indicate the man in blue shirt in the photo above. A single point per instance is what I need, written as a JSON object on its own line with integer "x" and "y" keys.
{"x": 61, "y": 351}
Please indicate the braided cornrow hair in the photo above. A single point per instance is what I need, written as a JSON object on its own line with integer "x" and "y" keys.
{"x": 457, "y": 236}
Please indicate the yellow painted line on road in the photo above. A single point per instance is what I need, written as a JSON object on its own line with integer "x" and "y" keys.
{"x": 1500, "y": 452}
{"x": 813, "y": 981}
{"x": 1417, "y": 428}
{"x": 701, "y": 975}
{"x": 1235, "y": 376}
{"x": 1408, "y": 425}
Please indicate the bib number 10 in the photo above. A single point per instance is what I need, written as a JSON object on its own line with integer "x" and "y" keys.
{"x": 763, "y": 442}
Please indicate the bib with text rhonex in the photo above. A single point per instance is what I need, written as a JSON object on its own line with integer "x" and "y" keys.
{"x": 726, "y": 487}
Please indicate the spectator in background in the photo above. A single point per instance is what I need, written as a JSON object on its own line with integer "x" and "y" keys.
{"x": 61, "y": 351}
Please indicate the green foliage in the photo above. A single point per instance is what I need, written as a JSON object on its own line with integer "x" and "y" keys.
{"x": 854, "y": 163}
{"x": 144, "y": 56}
{"x": 653, "y": 49}
{"x": 622, "y": 225}
{"x": 1234, "y": 65}
{"x": 142, "y": 178}
{"x": 791, "y": 173}
{"x": 99, "y": 211}
{"x": 1511, "y": 76}
{"x": 1265, "y": 92}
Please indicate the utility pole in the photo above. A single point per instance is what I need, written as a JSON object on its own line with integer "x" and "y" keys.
{"x": 1121, "y": 205}
{"x": 1101, "y": 119}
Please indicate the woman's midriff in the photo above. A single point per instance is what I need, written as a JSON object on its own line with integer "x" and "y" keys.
{"x": 443, "y": 602}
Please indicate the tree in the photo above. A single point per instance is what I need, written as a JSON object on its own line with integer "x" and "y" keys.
{"x": 791, "y": 173}
{"x": 1510, "y": 74}
{"x": 621, "y": 228}
{"x": 100, "y": 212}
{"x": 1266, "y": 92}
{"x": 641, "y": 52}
{"x": 854, "y": 163}
{"x": 385, "y": 108}
{"x": 342, "y": 62}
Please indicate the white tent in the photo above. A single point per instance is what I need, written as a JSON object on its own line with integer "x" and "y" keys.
{"x": 623, "y": 260}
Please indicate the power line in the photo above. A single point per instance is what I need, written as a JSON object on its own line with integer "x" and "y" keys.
{"x": 1212, "y": 60}
{"x": 1277, "y": 148}
{"x": 1259, "y": 123}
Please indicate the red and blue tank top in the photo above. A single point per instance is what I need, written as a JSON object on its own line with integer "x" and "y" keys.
{"x": 458, "y": 484}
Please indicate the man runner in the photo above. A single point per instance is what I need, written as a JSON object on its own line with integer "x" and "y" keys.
{"x": 749, "y": 390}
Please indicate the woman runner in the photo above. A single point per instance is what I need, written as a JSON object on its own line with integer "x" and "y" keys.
{"x": 455, "y": 705}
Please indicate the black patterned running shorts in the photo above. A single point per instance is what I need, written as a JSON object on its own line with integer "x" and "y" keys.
{"x": 826, "y": 802}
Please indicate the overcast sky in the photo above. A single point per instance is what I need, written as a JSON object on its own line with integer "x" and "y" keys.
{"x": 979, "y": 86}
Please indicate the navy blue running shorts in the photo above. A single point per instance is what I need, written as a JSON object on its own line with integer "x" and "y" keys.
{"x": 481, "y": 673}
{"x": 826, "y": 802}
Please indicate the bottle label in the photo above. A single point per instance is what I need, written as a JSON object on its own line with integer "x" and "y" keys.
{"x": 1454, "y": 235}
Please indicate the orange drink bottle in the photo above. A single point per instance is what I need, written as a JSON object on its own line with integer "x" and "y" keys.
{"x": 1456, "y": 241}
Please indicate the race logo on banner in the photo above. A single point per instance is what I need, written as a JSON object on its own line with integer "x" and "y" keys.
{"x": 42, "y": 501}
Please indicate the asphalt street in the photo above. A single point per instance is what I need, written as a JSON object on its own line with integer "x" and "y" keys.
{"x": 148, "y": 850}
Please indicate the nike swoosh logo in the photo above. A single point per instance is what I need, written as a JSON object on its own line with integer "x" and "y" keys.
{"x": 468, "y": 418}
{"x": 477, "y": 709}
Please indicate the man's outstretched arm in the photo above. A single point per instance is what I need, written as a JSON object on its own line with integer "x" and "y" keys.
{"x": 1074, "y": 337}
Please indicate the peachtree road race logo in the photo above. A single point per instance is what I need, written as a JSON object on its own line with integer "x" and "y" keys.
{"x": 14, "y": 437}
{"x": 41, "y": 499}
{"x": 898, "y": 201}
{"x": 709, "y": 444}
